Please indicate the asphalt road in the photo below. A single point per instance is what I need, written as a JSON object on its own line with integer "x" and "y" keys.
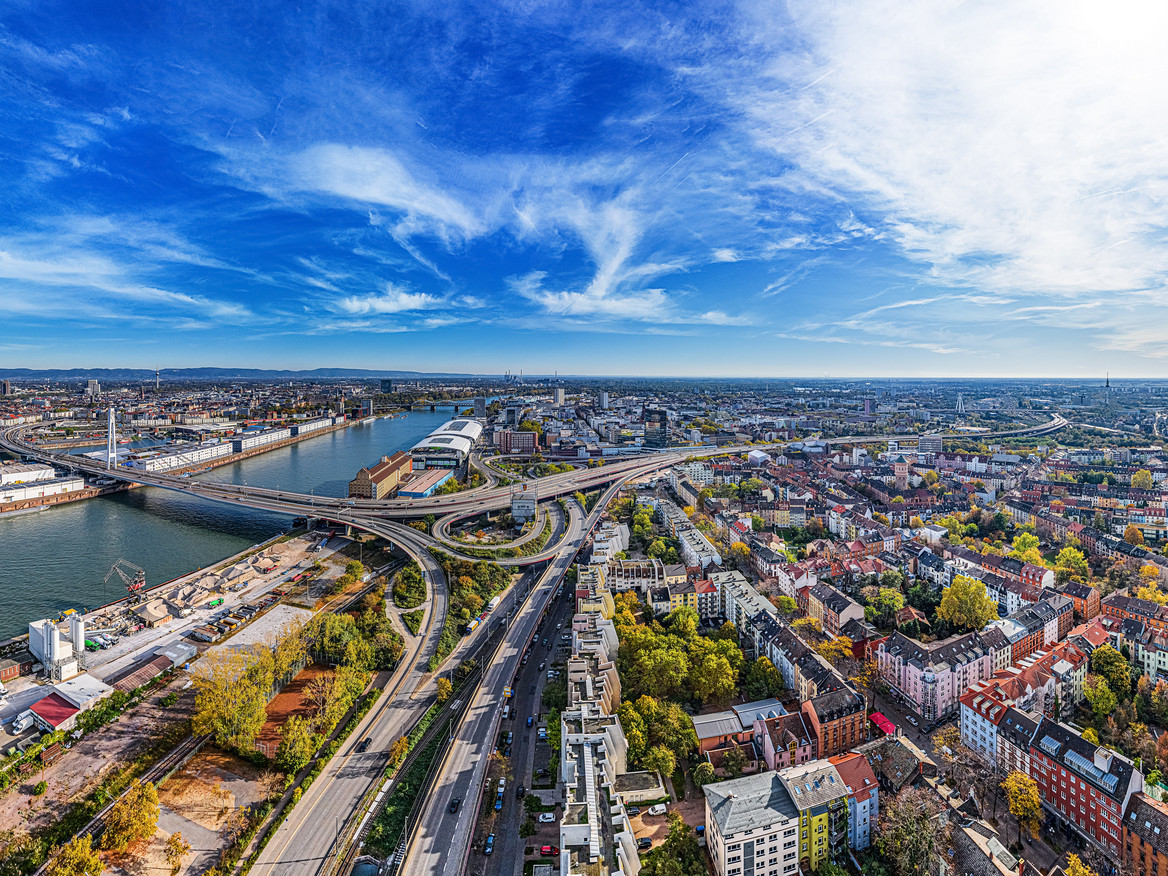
{"x": 440, "y": 841}
{"x": 307, "y": 838}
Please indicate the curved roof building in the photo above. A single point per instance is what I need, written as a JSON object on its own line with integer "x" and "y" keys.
{"x": 448, "y": 446}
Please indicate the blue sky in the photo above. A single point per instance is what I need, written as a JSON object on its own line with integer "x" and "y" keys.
{"x": 763, "y": 189}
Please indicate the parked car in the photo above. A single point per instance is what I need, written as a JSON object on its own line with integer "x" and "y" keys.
{"x": 644, "y": 843}
{"x": 543, "y": 733}
{"x": 520, "y": 791}
{"x": 455, "y": 803}
{"x": 657, "y": 809}
{"x": 530, "y": 720}
{"x": 489, "y": 845}
{"x": 547, "y": 818}
{"x": 549, "y": 851}
{"x": 633, "y": 810}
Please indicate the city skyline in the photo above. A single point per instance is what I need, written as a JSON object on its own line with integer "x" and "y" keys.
{"x": 727, "y": 190}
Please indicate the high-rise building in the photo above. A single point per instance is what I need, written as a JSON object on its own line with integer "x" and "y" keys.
{"x": 656, "y": 427}
{"x": 387, "y": 386}
{"x": 7, "y": 387}
{"x": 559, "y": 396}
{"x": 929, "y": 444}
{"x": 93, "y": 389}
{"x": 603, "y": 400}
{"x": 480, "y": 408}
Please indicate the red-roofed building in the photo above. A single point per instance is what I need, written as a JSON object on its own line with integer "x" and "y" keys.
{"x": 54, "y": 712}
{"x": 863, "y": 797}
{"x": 709, "y": 600}
{"x": 981, "y": 713}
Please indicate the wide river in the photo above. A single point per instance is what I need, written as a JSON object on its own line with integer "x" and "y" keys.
{"x": 56, "y": 558}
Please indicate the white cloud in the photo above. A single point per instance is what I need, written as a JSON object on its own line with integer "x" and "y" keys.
{"x": 393, "y": 300}
{"x": 1020, "y": 152}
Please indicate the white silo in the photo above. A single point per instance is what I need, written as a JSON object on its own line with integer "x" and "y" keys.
{"x": 77, "y": 634}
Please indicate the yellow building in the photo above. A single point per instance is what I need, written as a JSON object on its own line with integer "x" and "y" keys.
{"x": 681, "y": 594}
{"x": 821, "y": 796}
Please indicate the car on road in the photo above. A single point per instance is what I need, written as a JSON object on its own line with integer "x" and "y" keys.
{"x": 455, "y": 803}
{"x": 530, "y": 720}
{"x": 565, "y": 637}
{"x": 364, "y": 745}
{"x": 499, "y": 802}
{"x": 520, "y": 791}
{"x": 489, "y": 845}
{"x": 547, "y": 818}
{"x": 644, "y": 843}
{"x": 549, "y": 851}
{"x": 912, "y": 720}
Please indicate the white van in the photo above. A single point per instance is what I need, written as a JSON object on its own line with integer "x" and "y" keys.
{"x": 506, "y": 712}
{"x": 23, "y": 722}
{"x": 657, "y": 809}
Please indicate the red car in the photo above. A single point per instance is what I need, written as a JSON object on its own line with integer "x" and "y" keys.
{"x": 549, "y": 851}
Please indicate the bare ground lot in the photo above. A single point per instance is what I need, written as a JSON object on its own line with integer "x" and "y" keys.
{"x": 81, "y": 769}
{"x": 288, "y": 702}
{"x": 199, "y": 801}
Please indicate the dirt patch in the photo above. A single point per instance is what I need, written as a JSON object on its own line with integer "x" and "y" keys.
{"x": 199, "y": 797}
{"x": 288, "y": 702}
{"x": 81, "y": 769}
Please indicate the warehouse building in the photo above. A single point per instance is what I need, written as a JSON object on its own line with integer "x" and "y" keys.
{"x": 379, "y": 481}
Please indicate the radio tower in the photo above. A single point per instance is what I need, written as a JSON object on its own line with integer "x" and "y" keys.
{"x": 111, "y": 443}
{"x": 156, "y": 380}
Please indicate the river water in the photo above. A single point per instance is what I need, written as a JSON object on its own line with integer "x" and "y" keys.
{"x": 56, "y": 558}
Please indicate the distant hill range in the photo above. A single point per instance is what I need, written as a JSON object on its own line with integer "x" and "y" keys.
{"x": 143, "y": 374}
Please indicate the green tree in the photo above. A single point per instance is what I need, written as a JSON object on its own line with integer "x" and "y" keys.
{"x": 683, "y": 621}
{"x": 734, "y": 762}
{"x": 1071, "y": 565}
{"x": 134, "y": 817}
{"x": 703, "y": 774}
{"x": 1110, "y": 664}
{"x": 785, "y": 604}
{"x": 636, "y": 733}
{"x": 1099, "y": 694}
{"x": 297, "y": 744}
{"x": 1025, "y": 548}
{"x": 76, "y": 858}
{"x": 887, "y": 602}
{"x": 678, "y": 855}
{"x": 763, "y": 680}
{"x": 660, "y": 759}
{"x": 965, "y": 604}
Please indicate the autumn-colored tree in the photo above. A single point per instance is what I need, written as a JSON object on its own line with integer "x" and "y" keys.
{"x": 1132, "y": 535}
{"x": 1025, "y": 804}
{"x": 836, "y": 650}
{"x": 398, "y": 751}
{"x": 445, "y": 689}
{"x": 965, "y": 604}
{"x": 1142, "y": 480}
{"x": 176, "y": 849}
{"x": 133, "y": 817}
{"x": 1089, "y": 735}
{"x": 76, "y": 858}
{"x": 807, "y": 627}
{"x": 231, "y": 696}
{"x": 1025, "y": 548}
{"x": 910, "y": 836}
{"x": 866, "y": 677}
{"x": 1076, "y": 867}
{"x": 297, "y": 744}
{"x": 915, "y": 522}
{"x": 734, "y": 762}
{"x": 1152, "y": 593}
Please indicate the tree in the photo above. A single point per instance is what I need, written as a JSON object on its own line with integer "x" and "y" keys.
{"x": 763, "y": 680}
{"x": 1025, "y": 804}
{"x": 1100, "y": 696}
{"x": 739, "y": 553}
{"x": 910, "y": 835}
{"x": 734, "y": 762}
{"x": 785, "y": 604}
{"x": 398, "y": 751}
{"x": 231, "y": 696}
{"x": 1152, "y": 593}
{"x": 445, "y": 689}
{"x": 660, "y": 759}
{"x": 837, "y": 650}
{"x": 297, "y": 743}
{"x": 1025, "y": 548}
{"x": 76, "y": 858}
{"x": 915, "y": 522}
{"x": 134, "y": 817}
{"x": 1076, "y": 867}
{"x": 1132, "y": 535}
{"x": 1071, "y": 565}
{"x": 176, "y": 850}
{"x": 807, "y": 627}
{"x": 965, "y": 604}
{"x": 887, "y": 602}
{"x": 1142, "y": 480}
{"x": 1109, "y": 663}
{"x": 866, "y": 677}
{"x": 683, "y": 621}
{"x": 1089, "y": 735}
{"x": 703, "y": 774}
{"x": 678, "y": 855}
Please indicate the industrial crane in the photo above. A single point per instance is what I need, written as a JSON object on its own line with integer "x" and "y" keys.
{"x": 134, "y": 582}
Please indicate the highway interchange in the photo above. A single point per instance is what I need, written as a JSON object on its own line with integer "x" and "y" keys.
{"x": 307, "y": 842}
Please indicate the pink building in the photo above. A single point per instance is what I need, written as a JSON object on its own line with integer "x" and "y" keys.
{"x": 933, "y": 677}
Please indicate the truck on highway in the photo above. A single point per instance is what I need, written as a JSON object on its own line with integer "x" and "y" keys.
{"x": 494, "y": 603}
{"x": 474, "y": 622}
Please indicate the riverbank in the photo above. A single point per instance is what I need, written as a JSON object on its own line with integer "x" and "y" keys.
{"x": 24, "y": 505}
